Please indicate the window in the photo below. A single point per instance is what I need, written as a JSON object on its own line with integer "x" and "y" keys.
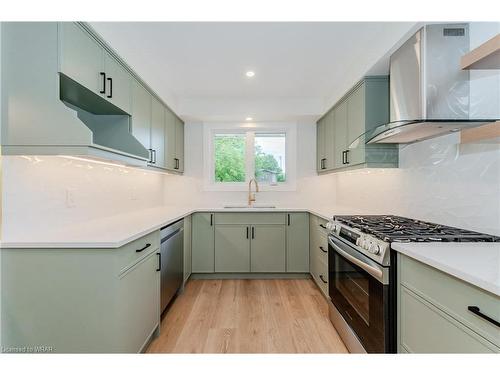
{"x": 229, "y": 157}
{"x": 233, "y": 154}
{"x": 270, "y": 150}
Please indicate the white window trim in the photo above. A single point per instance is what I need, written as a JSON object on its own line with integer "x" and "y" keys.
{"x": 210, "y": 129}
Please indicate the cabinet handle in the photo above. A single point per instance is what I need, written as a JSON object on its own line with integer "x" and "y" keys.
{"x": 476, "y": 310}
{"x": 103, "y": 75}
{"x": 150, "y": 155}
{"x": 288, "y": 219}
{"x": 253, "y": 233}
{"x": 323, "y": 250}
{"x": 343, "y": 157}
{"x": 154, "y": 155}
{"x": 144, "y": 248}
{"x": 321, "y": 277}
{"x": 247, "y": 233}
{"x": 176, "y": 163}
{"x": 110, "y": 87}
{"x": 346, "y": 156}
{"x": 159, "y": 262}
{"x": 211, "y": 220}
{"x": 322, "y": 226}
{"x": 323, "y": 164}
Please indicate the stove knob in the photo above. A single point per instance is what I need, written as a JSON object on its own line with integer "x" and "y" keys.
{"x": 374, "y": 248}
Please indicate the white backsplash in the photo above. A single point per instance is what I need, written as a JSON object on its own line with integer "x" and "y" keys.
{"x": 438, "y": 180}
{"x": 47, "y": 191}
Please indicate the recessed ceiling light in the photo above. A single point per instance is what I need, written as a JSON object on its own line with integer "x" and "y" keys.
{"x": 250, "y": 74}
{"x": 249, "y": 119}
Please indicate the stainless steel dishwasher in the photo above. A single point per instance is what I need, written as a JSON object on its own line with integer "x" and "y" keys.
{"x": 172, "y": 250}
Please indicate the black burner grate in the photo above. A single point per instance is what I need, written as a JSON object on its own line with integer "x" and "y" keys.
{"x": 400, "y": 229}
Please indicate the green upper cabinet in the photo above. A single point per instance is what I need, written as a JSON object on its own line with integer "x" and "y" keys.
{"x": 329, "y": 135}
{"x": 179, "y": 144}
{"x": 320, "y": 144}
{"x": 89, "y": 64}
{"x": 141, "y": 114}
{"x": 174, "y": 132}
{"x": 363, "y": 108}
{"x": 297, "y": 242}
{"x": 158, "y": 134}
{"x": 340, "y": 133}
{"x": 203, "y": 243}
{"x": 81, "y": 57}
{"x": 170, "y": 139}
{"x": 118, "y": 88}
{"x": 355, "y": 125}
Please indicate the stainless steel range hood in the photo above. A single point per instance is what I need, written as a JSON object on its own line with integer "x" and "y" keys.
{"x": 429, "y": 94}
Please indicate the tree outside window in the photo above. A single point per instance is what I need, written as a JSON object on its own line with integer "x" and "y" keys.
{"x": 269, "y": 157}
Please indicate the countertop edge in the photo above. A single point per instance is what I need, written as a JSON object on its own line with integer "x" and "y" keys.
{"x": 450, "y": 270}
{"x": 143, "y": 232}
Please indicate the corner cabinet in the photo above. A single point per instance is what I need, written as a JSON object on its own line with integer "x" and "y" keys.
{"x": 363, "y": 108}
{"x": 82, "y": 300}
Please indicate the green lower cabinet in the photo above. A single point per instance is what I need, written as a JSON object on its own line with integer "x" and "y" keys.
{"x": 433, "y": 312}
{"x": 427, "y": 329}
{"x": 203, "y": 243}
{"x": 268, "y": 248}
{"x": 81, "y": 300}
{"x": 232, "y": 248}
{"x": 297, "y": 242}
{"x": 139, "y": 300}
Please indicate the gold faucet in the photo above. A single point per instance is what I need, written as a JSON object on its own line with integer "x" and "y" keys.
{"x": 251, "y": 196}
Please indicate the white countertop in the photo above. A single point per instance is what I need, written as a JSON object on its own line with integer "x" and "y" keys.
{"x": 476, "y": 263}
{"x": 116, "y": 231}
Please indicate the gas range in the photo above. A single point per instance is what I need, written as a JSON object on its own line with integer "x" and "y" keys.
{"x": 373, "y": 234}
{"x": 362, "y": 274}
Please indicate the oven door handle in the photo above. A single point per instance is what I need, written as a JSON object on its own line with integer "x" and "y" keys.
{"x": 372, "y": 270}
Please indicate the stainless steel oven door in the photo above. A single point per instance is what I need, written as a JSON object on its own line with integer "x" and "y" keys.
{"x": 359, "y": 288}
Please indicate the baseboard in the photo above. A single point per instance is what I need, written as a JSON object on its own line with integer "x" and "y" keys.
{"x": 251, "y": 276}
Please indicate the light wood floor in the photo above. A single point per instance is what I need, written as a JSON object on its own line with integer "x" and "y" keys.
{"x": 248, "y": 316}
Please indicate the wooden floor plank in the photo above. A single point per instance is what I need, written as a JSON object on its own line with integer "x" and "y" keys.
{"x": 248, "y": 316}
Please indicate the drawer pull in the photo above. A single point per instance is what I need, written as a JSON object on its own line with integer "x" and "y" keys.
{"x": 321, "y": 277}
{"x": 477, "y": 311}
{"x": 323, "y": 250}
{"x": 144, "y": 248}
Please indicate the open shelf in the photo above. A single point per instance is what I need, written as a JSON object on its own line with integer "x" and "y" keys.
{"x": 486, "y": 56}
{"x": 489, "y": 133}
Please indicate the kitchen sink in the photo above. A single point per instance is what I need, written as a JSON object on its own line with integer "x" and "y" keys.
{"x": 254, "y": 206}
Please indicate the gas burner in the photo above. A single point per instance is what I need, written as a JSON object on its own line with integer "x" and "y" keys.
{"x": 400, "y": 229}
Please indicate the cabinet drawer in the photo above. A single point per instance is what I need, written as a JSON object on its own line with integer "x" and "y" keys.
{"x": 319, "y": 272}
{"x": 453, "y": 296}
{"x": 319, "y": 247}
{"x": 250, "y": 218}
{"x": 128, "y": 255}
{"x": 319, "y": 223}
{"x": 426, "y": 329}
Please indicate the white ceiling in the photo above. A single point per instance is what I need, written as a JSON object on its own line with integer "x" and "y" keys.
{"x": 301, "y": 68}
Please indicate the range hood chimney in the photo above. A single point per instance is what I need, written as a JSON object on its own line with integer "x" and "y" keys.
{"x": 429, "y": 93}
